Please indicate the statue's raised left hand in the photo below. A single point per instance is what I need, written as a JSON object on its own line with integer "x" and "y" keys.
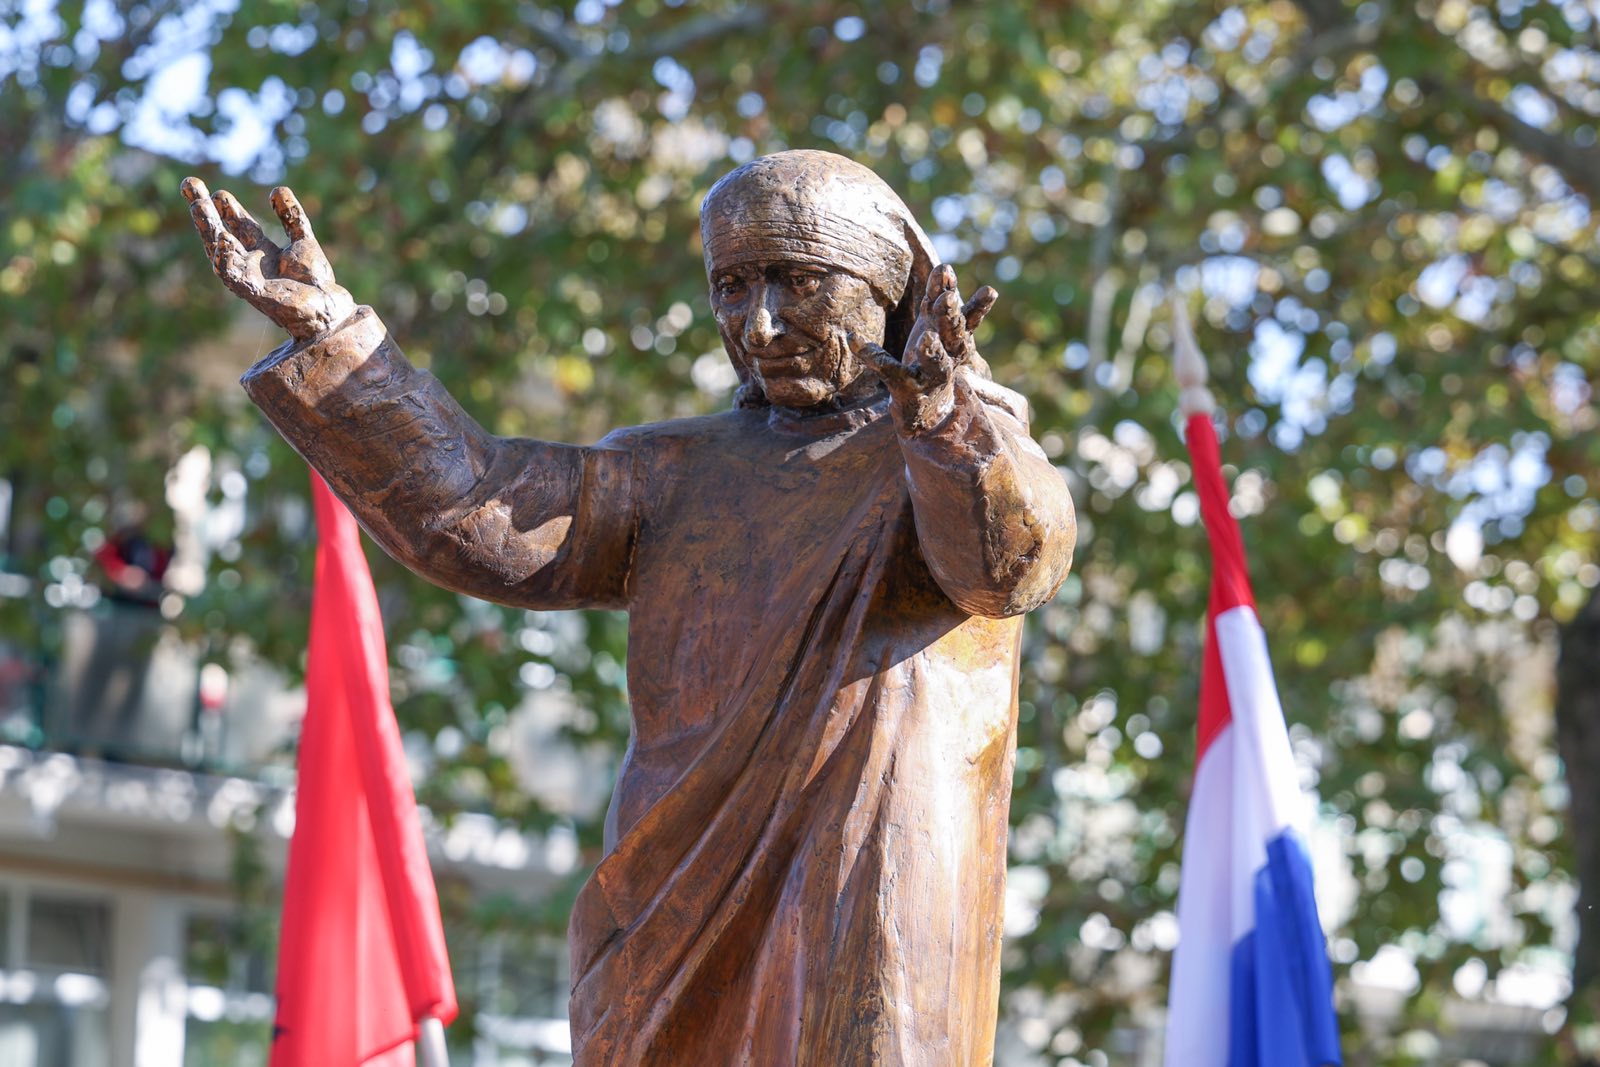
{"x": 922, "y": 383}
{"x": 292, "y": 286}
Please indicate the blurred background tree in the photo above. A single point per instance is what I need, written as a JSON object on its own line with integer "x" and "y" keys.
{"x": 1381, "y": 209}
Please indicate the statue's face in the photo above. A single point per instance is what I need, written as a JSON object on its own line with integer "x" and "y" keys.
{"x": 789, "y": 323}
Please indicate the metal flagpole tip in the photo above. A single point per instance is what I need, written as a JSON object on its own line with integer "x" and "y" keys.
{"x": 1188, "y": 364}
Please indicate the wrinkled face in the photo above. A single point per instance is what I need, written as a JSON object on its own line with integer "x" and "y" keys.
{"x": 788, "y": 324}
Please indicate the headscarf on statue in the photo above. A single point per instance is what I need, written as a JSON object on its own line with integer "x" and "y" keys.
{"x": 819, "y": 208}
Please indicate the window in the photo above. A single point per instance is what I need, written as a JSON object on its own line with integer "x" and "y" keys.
{"x": 42, "y": 1034}
{"x": 66, "y": 934}
{"x": 230, "y": 1002}
{"x": 517, "y": 980}
{"x": 56, "y": 949}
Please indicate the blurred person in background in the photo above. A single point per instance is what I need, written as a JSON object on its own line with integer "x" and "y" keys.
{"x": 108, "y": 691}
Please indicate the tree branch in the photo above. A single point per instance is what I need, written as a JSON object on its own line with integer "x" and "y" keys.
{"x": 701, "y": 28}
{"x": 1579, "y": 166}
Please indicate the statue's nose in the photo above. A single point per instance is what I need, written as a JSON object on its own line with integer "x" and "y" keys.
{"x": 760, "y": 328}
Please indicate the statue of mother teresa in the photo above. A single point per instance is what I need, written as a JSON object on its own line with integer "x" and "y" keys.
{"x": 805, "y": 851}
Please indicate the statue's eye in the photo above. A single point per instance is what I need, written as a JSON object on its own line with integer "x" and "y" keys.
{"x": 804, "y": 283}
{"x": 730, "y": 287}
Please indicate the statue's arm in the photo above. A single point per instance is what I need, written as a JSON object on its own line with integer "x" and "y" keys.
{"x": 994, "y": 518}
{"x": 522, "y": 522}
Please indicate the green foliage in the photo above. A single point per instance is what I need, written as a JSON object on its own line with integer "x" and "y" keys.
{"x": 1396, "y": 274}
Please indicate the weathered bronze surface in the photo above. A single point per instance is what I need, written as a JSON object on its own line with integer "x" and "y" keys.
{"x": 805, "y": 852}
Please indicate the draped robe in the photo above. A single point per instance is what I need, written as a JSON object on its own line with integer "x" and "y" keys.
{"x": 805, "y": 852}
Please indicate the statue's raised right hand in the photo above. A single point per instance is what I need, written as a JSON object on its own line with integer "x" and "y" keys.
{"x": 292, "y": 286}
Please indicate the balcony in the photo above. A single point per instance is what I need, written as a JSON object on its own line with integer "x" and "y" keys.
{"x": 122, "y": 686}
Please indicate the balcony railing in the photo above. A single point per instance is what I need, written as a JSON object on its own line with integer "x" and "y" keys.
{"x": 123, "y": 686}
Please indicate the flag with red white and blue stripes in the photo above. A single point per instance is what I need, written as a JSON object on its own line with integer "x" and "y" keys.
{"x": 1251, "y": 985}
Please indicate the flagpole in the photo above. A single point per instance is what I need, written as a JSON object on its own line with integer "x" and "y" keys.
{"x": 431, "y": 1051}
{"x": 1188, "y": 362}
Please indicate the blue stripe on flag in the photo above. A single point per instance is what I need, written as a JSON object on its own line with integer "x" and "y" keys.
{"x": 1282, "y": 1002}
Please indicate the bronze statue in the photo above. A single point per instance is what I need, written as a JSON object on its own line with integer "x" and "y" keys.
{"x": 805, "y": 852}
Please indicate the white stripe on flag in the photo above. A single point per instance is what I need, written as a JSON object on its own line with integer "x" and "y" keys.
{"x": 1197, "y": 1024}
{"x": 1253, "y": 698}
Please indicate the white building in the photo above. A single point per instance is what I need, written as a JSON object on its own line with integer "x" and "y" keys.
{"x": 129, "y": 889}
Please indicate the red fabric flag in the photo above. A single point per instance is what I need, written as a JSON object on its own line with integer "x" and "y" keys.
{"x": 361, "y": 956}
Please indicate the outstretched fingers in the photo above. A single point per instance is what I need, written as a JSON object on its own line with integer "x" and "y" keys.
{"x": 953, "y": 320}
{"x": 194, "y": 189}
{"x": 303, "y": 260}
{"x": 291, "y": 214}
{"x": 951, "y": 324}
{"x": 204, "y": 213}
{"x": 974, "y": 311}
{"x": 242, "y": 224}
{"x": 941, "y": 278}
{"x": 228, "y": 256}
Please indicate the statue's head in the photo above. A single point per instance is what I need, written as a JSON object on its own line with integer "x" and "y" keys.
{"x": 802, "y": 250}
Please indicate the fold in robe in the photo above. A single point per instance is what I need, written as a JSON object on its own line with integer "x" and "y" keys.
{"x": 806, "y": 847}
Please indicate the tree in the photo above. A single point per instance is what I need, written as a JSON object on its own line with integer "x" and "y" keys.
{"x": 1382, "y": 210}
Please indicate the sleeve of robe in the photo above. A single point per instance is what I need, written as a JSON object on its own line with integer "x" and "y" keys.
{"x": 527, "y": 523}
{"x": 994, "y": 518}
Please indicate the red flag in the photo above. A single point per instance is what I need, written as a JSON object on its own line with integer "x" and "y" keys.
{"x": 361, "y": 957}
